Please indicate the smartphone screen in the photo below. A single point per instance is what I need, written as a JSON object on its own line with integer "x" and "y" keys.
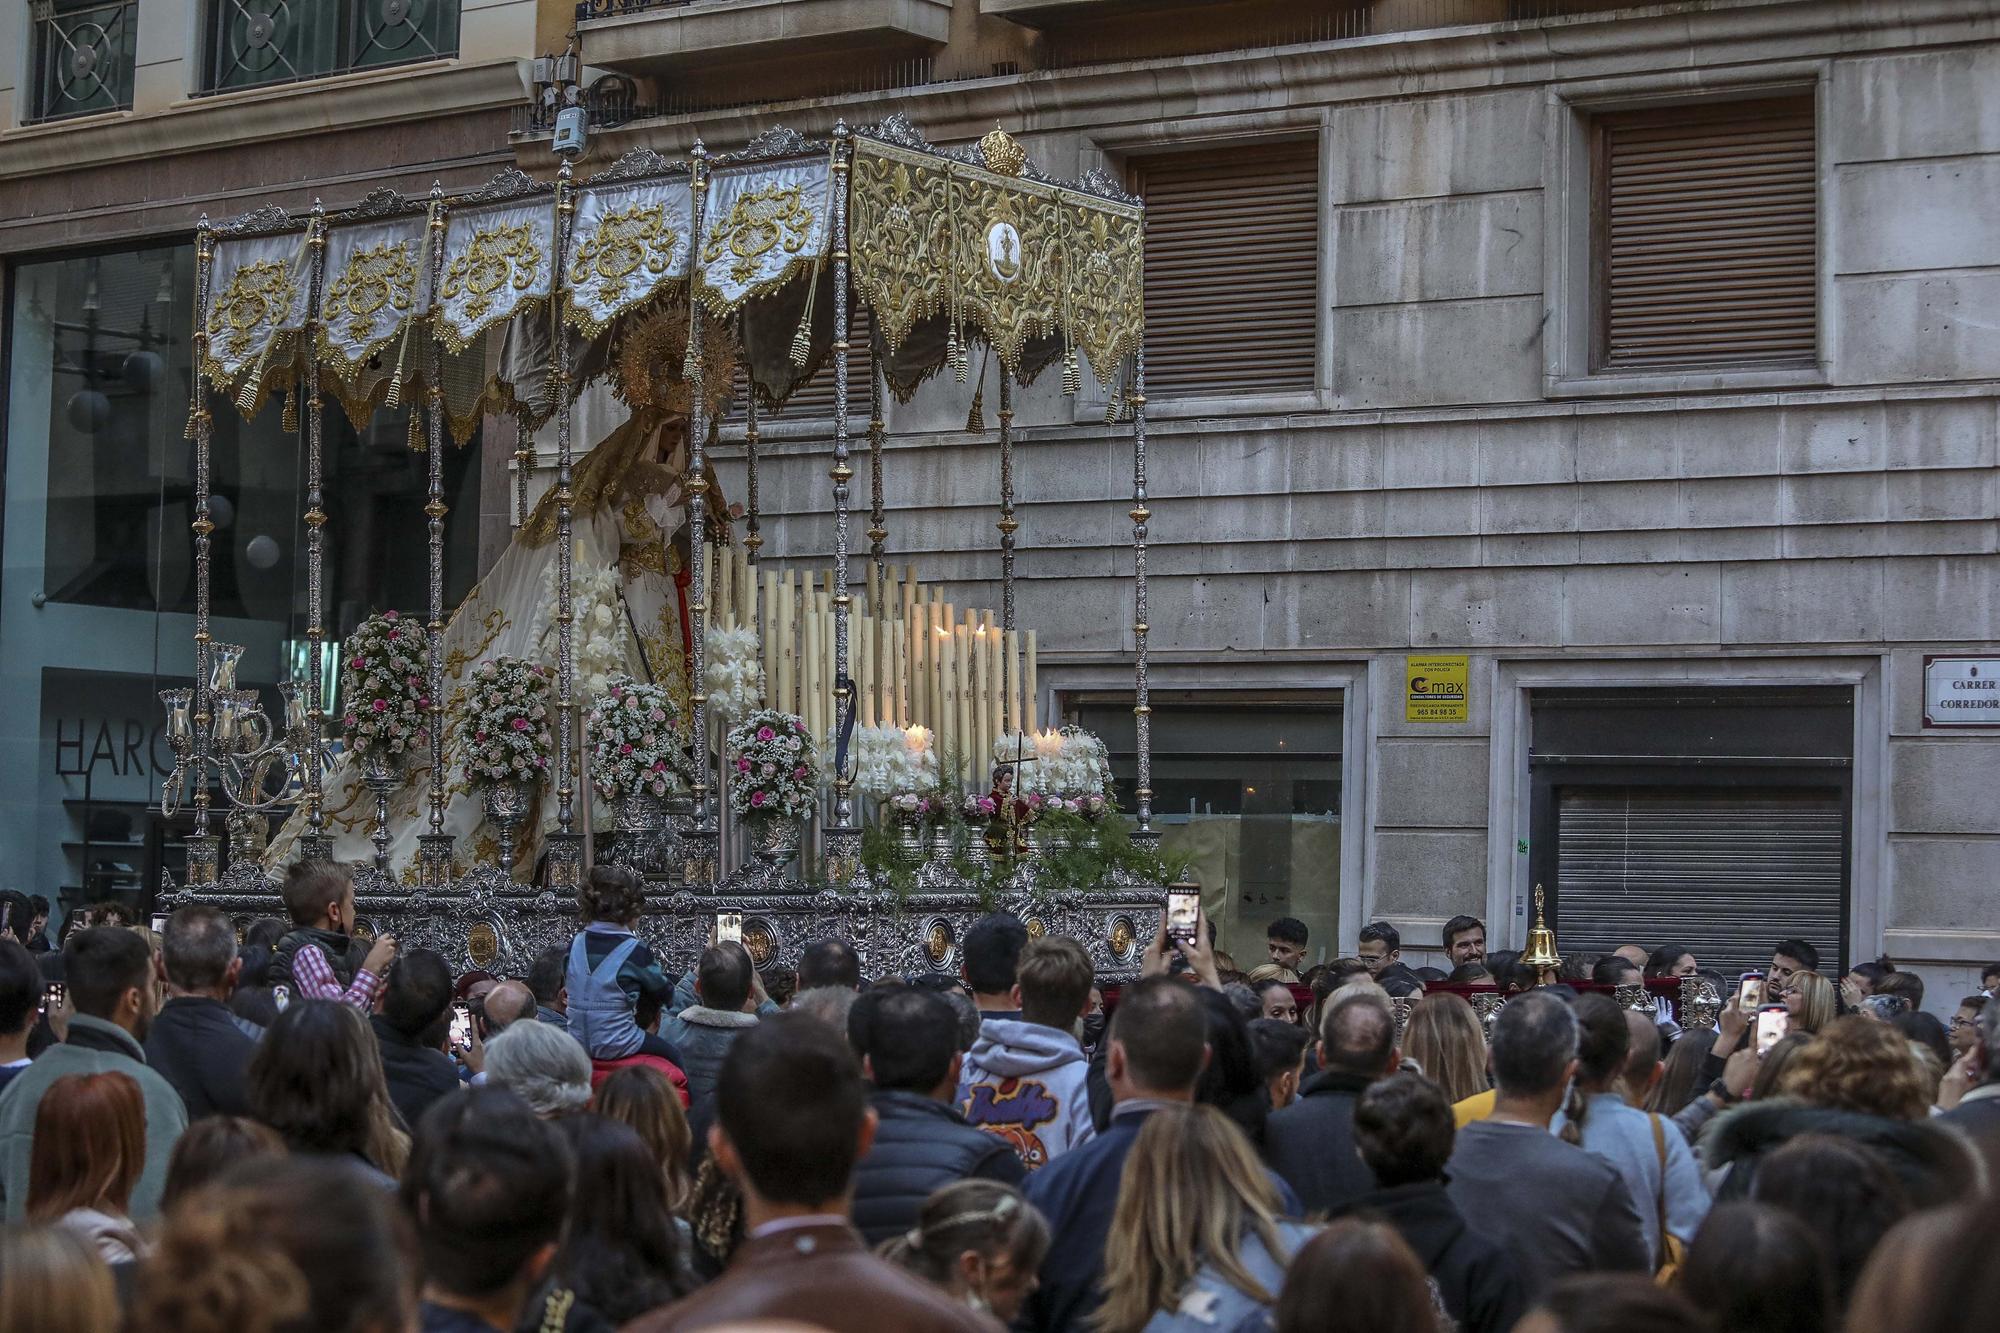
{"x": 53, "y": 995}
{"x": 159, "y": 923}
{"x": 728, "y": 926}
{"x": 1750, "y": 992}
{"x": 1183, "y": 913}
{"x": 461, "y": 1026}
{"x": 281, "y": 996}
{"x": 1773, "y": 1022}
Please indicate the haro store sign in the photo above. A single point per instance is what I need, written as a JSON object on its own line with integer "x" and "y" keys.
{"x": 1962, "y": 691}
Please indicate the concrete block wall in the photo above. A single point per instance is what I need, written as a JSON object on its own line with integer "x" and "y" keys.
{"x": 1439, "y": 497}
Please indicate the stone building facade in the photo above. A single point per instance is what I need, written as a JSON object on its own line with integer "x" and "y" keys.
{"x": 1407, "y": 406}
{"x": 1695, "y": 590}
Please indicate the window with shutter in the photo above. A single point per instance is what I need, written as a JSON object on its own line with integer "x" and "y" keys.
{"x": 813, "y": 400}
{"x": 1706, "y": 236}
{"x": 1232, "y": 270}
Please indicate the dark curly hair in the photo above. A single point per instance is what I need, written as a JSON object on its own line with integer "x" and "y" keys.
{"x": 611, "y": 893}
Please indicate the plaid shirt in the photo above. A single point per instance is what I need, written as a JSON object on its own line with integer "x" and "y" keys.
{"x": 317, "y": 982}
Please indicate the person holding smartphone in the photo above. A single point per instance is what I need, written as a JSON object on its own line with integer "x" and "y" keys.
{"x": 20, "y": 1003}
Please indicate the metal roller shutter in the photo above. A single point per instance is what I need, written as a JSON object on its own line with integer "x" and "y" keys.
{"x": 1707, "y": 235}
{"x": 1232, "y": 270}
{"x": 1726, "y": 874}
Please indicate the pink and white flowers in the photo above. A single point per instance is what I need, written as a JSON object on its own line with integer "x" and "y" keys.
{"x": 772, "y": 766}
{"x": 384, "y": 667}
{"x": 635, "y": 742}
{"x": 502, "y": 718}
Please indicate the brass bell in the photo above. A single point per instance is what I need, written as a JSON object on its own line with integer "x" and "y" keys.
{"x": 1541, "y": 950}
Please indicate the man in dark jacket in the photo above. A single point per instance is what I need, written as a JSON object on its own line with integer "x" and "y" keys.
{"x": 1311, "y": 1142}
{"x": 922, "y": 1142}
{"x": 412, "y": 1029}
{"x": 1403, "y": 1127}
{"x": 1157, "y": 1044}
{"x": 195, "y": 1042}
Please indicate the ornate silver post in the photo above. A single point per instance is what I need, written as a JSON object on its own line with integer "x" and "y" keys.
{"x": 753, "y": 536}
{"x": 565, "y": 844}
{"x": 878, "y": 530}
{"x": 697, "y": 499}
{"x": 843, "y": 795}
{"x": 314, "y": 844}
{"x": 435, "y": 848}
{"x": 1142, "y": 708}
{"x": 1008, "y": 524}
{"x": 203, "y": 847}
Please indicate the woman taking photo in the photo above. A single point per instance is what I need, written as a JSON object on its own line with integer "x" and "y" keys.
{"x": 89, "y": 1148}
{"x": 980, "y": 1241}
{"x": 1196, "y": 1227}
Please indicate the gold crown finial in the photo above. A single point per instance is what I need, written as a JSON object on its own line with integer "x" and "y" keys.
{"x": 1541, "y": 950}
{"x": 1002, "y": 153}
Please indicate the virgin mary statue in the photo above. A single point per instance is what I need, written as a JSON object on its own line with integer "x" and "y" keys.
{"x": 627, "y": 588}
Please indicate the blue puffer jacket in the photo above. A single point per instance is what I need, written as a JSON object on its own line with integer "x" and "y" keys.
{"x": 921, "y": 1145}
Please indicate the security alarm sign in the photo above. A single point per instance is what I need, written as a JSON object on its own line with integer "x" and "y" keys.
{"x": 1437, "y": 689}
{"x": 1961, "y": 691}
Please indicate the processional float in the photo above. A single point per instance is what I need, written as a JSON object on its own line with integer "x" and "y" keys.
{"x": 512, "y": 299}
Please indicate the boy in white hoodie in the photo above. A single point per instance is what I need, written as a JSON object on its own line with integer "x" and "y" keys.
{"x": 1023, "y": 1080}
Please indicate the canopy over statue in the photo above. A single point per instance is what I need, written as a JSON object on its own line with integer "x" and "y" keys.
{"x": 663, "y": 280}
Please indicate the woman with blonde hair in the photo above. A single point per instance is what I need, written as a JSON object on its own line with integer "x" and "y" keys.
{"x": 1808, "y": 998}
{"x": 1444, "y": 1037}
{"x": 1196, "y": 1227}
{"x": 980, "y": 1241}
{"x": 88, "y": 1151}
{"x": 52, "y": 1281}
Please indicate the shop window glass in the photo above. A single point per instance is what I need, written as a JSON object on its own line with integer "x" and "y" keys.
{"x": 1251, "y": 791}
{"x": 97, "y": 592}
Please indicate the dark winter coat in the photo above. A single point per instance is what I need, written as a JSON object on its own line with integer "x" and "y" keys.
{"x": 1478, "y": 1281}
{"x": 196, "y": 1045}
{"x": 1935, "y": 1164}
{"x": 921, "y": 1145}
{"x": 417, "y": 1074}
{"x": 1311, "y": 1142}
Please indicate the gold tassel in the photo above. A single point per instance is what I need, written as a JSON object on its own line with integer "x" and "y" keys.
{"x": 194, "y": 414}
{"x": 417, "y": 441}
{"x": 246, "y": 397}
{"x": 1111, "y": 410}
{"x": 394, "y": 399}
{"x": 951, "y": 353}
{"x": 1072, "y": 374}
{"x": 802, "y": 342}
{"x": 290, "y": 420}
{"x": 975, "y": 420}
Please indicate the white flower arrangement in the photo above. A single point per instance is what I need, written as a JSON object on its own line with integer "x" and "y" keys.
{"x": 599, "y": 634}
{"x": 383, "y": 687}
{"x": 775, "y": 766}
{"x": 635, "y": 744}
{"x": 502, "y": 717}
{"x": 1070, "y": 763}
{"x": 889, "y": 761}
{"x": 731, "y": 673}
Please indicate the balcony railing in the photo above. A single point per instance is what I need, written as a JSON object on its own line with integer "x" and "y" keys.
{"x": 252, "y": 43}
{"x": 83, "y": 57}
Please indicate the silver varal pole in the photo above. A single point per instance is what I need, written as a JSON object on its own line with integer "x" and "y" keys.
{"x": 203, "y": 847}
{"x": 314, "y": 844}
{"x": 842, "y": 474}
{"x": 1142, "y": 708}
{"x": 435, "y": 848}
{"x": 565, "y": 844}
{"x": 697, "y": 493}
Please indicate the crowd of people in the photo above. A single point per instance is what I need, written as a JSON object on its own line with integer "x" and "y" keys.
{"x": 300, "y": 1131}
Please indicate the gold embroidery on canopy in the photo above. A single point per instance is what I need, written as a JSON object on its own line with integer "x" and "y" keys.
{"x": 376, "y": 277}
{"x": 623, "y": 242}
{"x": 258, "y": 295}
{"x": 497, "y": 258}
